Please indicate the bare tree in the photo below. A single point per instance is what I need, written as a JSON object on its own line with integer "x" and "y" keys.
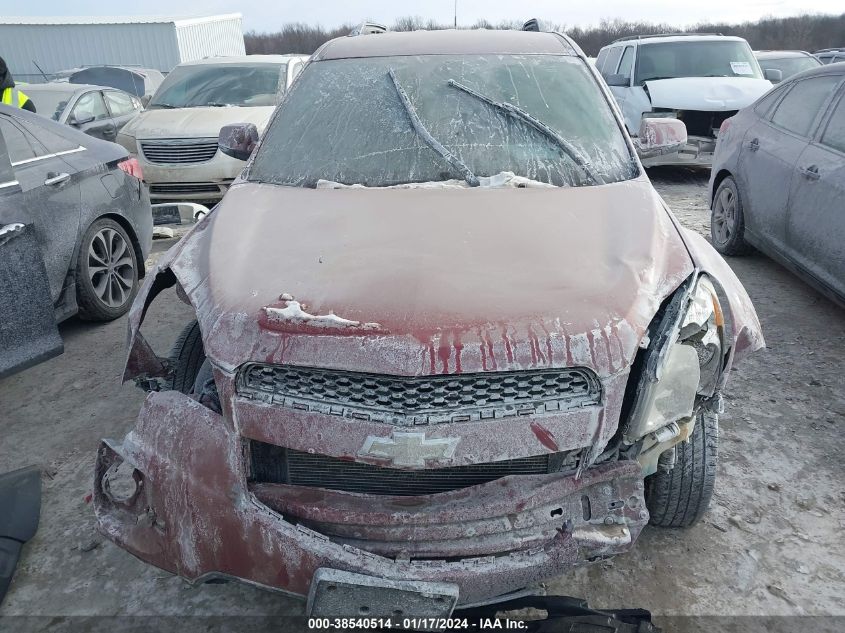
{"x": 803, "y": 32}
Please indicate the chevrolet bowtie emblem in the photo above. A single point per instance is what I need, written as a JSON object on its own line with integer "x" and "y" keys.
{"x": 409, "y": 449}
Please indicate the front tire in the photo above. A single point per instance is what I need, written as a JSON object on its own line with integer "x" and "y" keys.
{"x": 186, "y": 359}
{"x": 106, "y": 272}
{"x": 727, "y": 219}
{"x": 679, "y": 497}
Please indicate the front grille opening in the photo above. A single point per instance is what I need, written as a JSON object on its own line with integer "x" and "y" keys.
{"x": 279, "y": 465}
{"x": 410, "y": 400}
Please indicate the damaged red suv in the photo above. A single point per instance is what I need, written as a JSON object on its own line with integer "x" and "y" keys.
{"x": 449, "y": 341}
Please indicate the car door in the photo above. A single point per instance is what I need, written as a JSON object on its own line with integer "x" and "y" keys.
{"x": 90, "y": 115}
{"x": 122, "y": 106}
{"x": 769, "y": 154}
{"x": 816, "y": 226}
{"x": 50, "y": 191}
{"x": 28, "y": 332}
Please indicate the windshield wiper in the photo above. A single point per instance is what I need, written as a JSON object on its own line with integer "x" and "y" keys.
{"x": 214, "y": 104}
{"x": 169, "y": 106}
{"x": 426, "y": 136}
{"x": 520, "y": 114}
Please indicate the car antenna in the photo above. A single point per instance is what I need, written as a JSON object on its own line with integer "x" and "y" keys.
{"x": 43, "y": 74}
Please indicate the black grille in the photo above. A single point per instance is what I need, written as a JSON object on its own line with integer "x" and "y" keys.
{"x": 179, "y": 151}
{"x": 408, "y": 400}
{"x": 274, "y": 464}
{"x": 184, "y": 188}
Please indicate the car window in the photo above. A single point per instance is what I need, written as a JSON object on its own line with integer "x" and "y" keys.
{"x": 612, "y": 61}
{"x": 627, "y": 62}
{"x": 789, "y": 66}
{"x": 120, "y": 103}
{"x": 91, "y": 103}
{"x": 764, "y": 105}
{"x": 600, "y": 59}
{"x": 216, "y": 85}
{"x": 834, "y": 134}
{"x": 20, "y": 146}
{"x": 50, "y": 103}
{"x": 51, "y": 142}
{"x": 798, "y": 109}
{"x": 344, "y": 121}
{"x": 696, "y": 58}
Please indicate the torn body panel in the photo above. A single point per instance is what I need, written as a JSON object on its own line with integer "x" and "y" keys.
{"x": 195, "y": 515}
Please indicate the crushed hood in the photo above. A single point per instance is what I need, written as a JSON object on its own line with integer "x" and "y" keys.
{"x": 193, "y": 122}
{"x": 706, "y": 93}
{"x": 427, "y": 281}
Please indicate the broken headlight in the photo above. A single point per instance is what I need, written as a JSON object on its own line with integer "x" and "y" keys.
{"x": 683, "y": 361}
{"x": 702, "y": 328}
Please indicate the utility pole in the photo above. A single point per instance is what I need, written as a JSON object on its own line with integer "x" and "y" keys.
{"x": 456, "y": 13}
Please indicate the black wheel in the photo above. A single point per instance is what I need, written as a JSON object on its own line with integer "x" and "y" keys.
{"x": 727, "y": 220}
{"x": 106, "y": 272}
{"x": 679, "y": 497}
{"x": 186, "y": 359}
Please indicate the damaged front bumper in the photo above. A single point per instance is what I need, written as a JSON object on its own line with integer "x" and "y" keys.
{"x": 698, "y": 152}
{"x": 185, "y": 505}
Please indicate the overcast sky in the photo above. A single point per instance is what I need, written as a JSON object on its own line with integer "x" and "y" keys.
{"x": 266, "y": 15}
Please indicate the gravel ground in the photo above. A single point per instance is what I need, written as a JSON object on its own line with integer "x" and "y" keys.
{"x": 770, "y": 544}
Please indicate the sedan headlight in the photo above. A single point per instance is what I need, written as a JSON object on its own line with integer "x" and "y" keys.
{"x": 683, "y": 362}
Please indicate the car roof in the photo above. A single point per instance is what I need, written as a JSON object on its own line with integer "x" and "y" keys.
{"x": 675, "y": 37}
{"x": 61, "y": 86}
{"x": 445, "y": 42}
{"x": 780, "y": 54}
{"x": 240, "y": 59}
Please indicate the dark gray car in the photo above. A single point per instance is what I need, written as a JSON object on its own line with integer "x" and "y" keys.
{"x": 787, "y": 62}
{"x": 778, "y": 179}
{"x": 96, "y": 110}
{"x": 75, "y": 229}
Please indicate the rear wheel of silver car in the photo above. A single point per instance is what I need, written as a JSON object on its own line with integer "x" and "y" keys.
{"x": 727, "y": 219}
{"x": 679, "y": 497}
{"x": 106, "y": 272}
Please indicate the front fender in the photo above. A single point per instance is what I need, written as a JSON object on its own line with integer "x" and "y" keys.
{"x": 746, "y": 333}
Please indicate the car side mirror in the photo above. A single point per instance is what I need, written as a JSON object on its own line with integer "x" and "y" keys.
{"x": 238, "y": 140}
{"x": 617, "y": 80}
{"x": 773, "y": 74}
{"x": 145, "y": 100}
{"x": 659, "y": 136}
{"x": 80, "y": 118}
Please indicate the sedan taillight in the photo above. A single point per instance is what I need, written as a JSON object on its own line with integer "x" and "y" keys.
{"x": 132, "y": 167}
{"x": 726, "y": 124}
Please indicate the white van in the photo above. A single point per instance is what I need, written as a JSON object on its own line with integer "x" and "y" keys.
{"x": 700, "y": 79}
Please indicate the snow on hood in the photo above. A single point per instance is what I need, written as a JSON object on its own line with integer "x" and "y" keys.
{"x": 502, "y": 179}
{"x": 423, "y": 281}
{"x": 706, "y": 93}
{"x": 193, "y": 122}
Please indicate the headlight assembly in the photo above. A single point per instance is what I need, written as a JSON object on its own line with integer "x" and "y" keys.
{"x": 683, "y": 362}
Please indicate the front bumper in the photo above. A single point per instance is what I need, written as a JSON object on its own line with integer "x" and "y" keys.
{"x": 698, "y": 152}
{"x": 194, "y": 513}
{"x": 204, "y": 181}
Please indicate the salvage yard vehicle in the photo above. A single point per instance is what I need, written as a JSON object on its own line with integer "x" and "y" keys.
{"x": 788, "y": 63}
{"x": 175, "y": 138}
{"x": 830, "y": 55}
{"x": 778, "y": 179}
{"x": 701, "y": 79}
{"x": 449, "y": 341}
{"x": 98, "y": 111}
{"x": 75, "y": 228}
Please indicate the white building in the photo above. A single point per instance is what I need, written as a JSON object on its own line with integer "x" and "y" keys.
{"x": 58, "y": 43}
